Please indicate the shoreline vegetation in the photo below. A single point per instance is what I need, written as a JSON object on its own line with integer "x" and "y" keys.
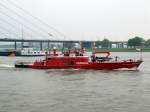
{"x": 118, "y": 50}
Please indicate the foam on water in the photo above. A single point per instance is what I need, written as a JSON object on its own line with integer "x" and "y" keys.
{"x": 6, "y": 66}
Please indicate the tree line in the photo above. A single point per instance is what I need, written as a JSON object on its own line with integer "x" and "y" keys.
{"x": 132, "y": 43}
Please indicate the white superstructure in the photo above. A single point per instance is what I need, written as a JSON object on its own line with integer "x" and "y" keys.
{"x": 32, "y": 52}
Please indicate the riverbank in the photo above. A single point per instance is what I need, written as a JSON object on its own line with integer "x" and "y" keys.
{"x": 118, "y": 50}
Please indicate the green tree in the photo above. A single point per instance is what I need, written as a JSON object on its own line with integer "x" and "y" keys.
{"x": 147, "y": 43}
{"x": 105, "y": 43}
{"x": 135, "y": 42}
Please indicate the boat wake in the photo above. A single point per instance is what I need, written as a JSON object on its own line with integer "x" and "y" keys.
{"x": 6, "y": 66}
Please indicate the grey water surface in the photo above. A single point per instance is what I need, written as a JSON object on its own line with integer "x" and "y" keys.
{"x": 30, "y": 90}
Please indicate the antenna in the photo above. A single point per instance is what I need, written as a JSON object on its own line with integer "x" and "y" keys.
{"x": 141, "y": 55}
{"x": 140, "y": 51}
{"x": 22, "y": 36}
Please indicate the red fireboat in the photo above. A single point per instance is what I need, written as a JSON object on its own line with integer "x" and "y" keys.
{"x": 77, "y": 59}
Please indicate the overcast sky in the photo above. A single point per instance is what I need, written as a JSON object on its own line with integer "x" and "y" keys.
{"x": 93, "y": 19}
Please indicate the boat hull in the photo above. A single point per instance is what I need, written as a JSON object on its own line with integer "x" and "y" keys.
{"x": 22, "y": 66}
{"x": 10, "y": 53}
{"x": 88, "y": 65}
{"x": 71, "y": 61}
{"x": 18, "y": 53}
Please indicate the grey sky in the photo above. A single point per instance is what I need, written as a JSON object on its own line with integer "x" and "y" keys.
{"x": 93, "y": 19}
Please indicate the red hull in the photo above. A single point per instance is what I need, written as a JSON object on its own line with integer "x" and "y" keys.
{"x": 81, "y": 62}
{"x": 92, "y": 65}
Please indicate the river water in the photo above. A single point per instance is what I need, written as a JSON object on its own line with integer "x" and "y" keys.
{"x": 29, "y": 90}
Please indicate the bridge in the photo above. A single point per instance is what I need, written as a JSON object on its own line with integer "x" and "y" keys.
{"x": 83, "y": 43}
{"x": 15, "y": 23}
